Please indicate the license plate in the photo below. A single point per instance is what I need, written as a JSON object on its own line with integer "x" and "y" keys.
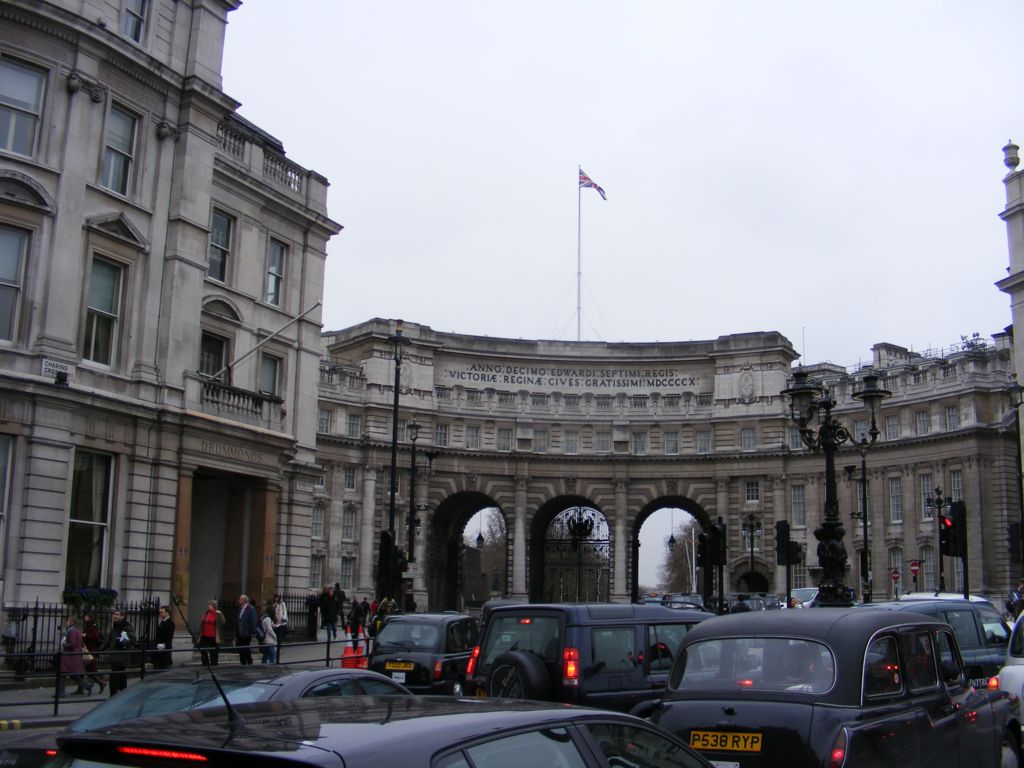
{"x": 724, "y": 764}
{"x": 725, "y": 741}
{"x": 404, "y": 666}
{"x": 398, "y": 677}
{"x": 480, "y": 693}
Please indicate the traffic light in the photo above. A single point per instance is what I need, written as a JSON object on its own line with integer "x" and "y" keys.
{"x": 702, "y": 551}
{"x": 958, "y": 512}
{"x": 795, "y": 553}
{"x": 945, "y": 534}
{"x": 781, "y": 541}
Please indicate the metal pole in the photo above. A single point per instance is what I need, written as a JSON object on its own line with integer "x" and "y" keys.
{"x": 866, "y": 559}
{"x": 411, "y": 522}
{"x": 397, "y": 341}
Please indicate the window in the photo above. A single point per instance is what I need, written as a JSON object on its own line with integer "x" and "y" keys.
{"x": 276, "y": 253}
{"x": 91, "y": 490}
{"x": 133, "y": 23}
{"x": 349, "y": 476}
{"x": 21, "y": 102}
{"x": 101, "y": 321}
{"x": 504, "y": 439}
{"x": 549, "y": 746}
{"x": 704, "y": 441}
{"x": 795, "y": 441}
{"x": 473, "y": 396}
{"x": 614, "y": 649}
{"x": 922, "y": 422}
{"x": 348, "y": 568}
{"x": 6, "y": 457}
{"x": 472, "y": 436}
{"x": 705, "y": 398}
{"x": 572, "y": 442}
{"x": 896, "y": 499}
{"x": 798, "y": 506}
{"x": 119, "y": 152}
{"x": 571, "y": 402}
{"x": 220, "y": 246}
{"x": 892, "y": 427}
{"x": 956, "y": 484}
{"x": 316, "y": 571}
{"x": 800, "y": 575}
{"x": 671, "y": 443}
{"x": 348, "y": 522}
{"x": 603, "y": 442}
{"x": 353, "y": 425}
{"x": 672, "y": 401}
{"x": 317, "y": 526}
{"x": 441, "y": 435}
{"x": 952, "y": 418}
{"x": 748, "y": 439}
{"x": 321, "y": 481}
{"x": 443, "y": 393}
{"x": 13, "y": 246}
{"x": 539, "y": 400}
{"x": 324, "y": 421}
{"x": 540, "y": 441}
{"x": 920, "y": 660}
{"x": 603, "y": 402}
{"x": 638, "y": 402}
{"x": 927, "y": 568}
{"x": 860, "y": 430}
{"x": 269, "y": 369}
{"x": 926, "y": 491}
{"x": 506, "y": 398}
{"x": 213, "y": 357}
{"x": 958, "y": 575}
{"x": 752, "y": 490}
{"x": 638, "y": 443}
{"x": 882, "y": 669}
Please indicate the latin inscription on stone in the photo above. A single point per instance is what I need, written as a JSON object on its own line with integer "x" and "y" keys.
{"x": 501, "y": 375}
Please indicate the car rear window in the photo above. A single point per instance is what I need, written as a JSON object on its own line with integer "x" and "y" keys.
{"x": 538, "y": 634}
{"x": 408, "y": 635}
{"x": 768, "y": 664}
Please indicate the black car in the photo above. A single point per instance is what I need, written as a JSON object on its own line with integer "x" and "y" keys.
{"x": 425, "y": 652}
{"x": 193, "y": 688}
{"x": 834, "y": 687}
{"x": 440, "y": 732}
{"x": 601, "y": 654}
{"x": 980, "y": 630}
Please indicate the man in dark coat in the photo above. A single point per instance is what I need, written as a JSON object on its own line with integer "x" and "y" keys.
{"x": 247, "y": 626}
{"x": 120, "y": 640}
{"x": 164, "y": 639}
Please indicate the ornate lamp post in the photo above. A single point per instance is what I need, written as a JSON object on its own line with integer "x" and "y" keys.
{"x": 811, "y": 408}
{"x": 865, "y": 554}
{"x": 412, "y": 522}
{"x": 752, "y": 530}
{"x": 388, "y": 554}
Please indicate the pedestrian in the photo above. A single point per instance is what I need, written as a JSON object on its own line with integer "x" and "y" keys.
{"x": 741, "y": 604}
{"x": 364, "y": 610}
{"x": 339, "y": 600}
{"x": 372, "y": 609}
{"x": 329, "y": 612}
{"x": 211, "y": 634}
{"x": 280, "y": 618}
{"x": 355, "y": 623}
{"x": 120, "y": 640}
{"x": 1015, "y": 600}
{"x": 72, "y": 662}
{"x": 91, "y": 639}
{"x": 248, "y": 627}
{"x": 268, "y": 645}
{"x": 164, "y": 639}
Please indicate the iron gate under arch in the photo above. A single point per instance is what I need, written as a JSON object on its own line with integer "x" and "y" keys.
{"x": 577, "y": 557}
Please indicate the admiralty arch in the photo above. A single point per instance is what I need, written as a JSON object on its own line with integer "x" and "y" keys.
{"x": 576, "y": 444}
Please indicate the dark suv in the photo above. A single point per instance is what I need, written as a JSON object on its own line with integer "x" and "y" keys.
{"x": 602, "y": 654}
{"x": 425, "y": 652}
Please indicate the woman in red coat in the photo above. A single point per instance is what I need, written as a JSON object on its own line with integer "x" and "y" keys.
{"x": 71, "y": 662}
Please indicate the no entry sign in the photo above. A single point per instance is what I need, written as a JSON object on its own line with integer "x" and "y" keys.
{"x": 895, "y": 574}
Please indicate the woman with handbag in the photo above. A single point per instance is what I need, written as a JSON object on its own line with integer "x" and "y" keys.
{"x": 91, "y": 638}
{"x": 72, "y": 663}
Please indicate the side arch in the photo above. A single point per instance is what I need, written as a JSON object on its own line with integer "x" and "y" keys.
{"x": 684, "y": 503}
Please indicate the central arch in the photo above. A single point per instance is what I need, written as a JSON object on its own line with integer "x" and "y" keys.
{"x": 570, "y": 553}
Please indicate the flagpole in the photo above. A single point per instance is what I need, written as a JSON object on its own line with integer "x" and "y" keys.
{"x": 579, "y": 262}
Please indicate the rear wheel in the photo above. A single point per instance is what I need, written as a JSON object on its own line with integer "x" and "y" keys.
{"x": 518, "y": 675}
{"x": 1010, "y": 755}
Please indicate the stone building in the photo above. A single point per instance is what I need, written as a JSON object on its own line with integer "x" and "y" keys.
{"x": 162, "y": 272}
{"x": 592, "y": 438}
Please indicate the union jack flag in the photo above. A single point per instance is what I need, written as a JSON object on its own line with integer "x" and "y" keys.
{"x": 586, "y": 181}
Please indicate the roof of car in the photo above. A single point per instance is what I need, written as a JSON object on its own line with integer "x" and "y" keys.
{"x": 360, "y": 730}
{"x": 919, "y": 603}
{"x": 582, "y": 612}
{"x": 440, "y": 617}
{"x": 251, "y": 673}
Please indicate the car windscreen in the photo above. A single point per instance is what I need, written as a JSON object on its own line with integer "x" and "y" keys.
{"x": 538, "y": 634}
{"x": 407, "y": 636}
{"x": 765, "y": 664}
{"x": 157, "y": 698}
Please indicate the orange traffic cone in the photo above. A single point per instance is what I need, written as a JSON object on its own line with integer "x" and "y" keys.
{"x": 352, "y": 658}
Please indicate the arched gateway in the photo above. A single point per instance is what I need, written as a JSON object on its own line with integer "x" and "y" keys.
{"x": 573, "y": 445}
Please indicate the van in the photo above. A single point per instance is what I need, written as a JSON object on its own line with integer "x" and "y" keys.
{"x": 605, "y": 655}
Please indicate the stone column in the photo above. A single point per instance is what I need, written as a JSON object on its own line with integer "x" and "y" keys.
{"x": 623, "y": 544}
{"x": 367, "y": 538}
{"x": 262, "y": 546}
{"x": 519, "y": 541}
{"x": 181, "y": 558}
{"x": 722, "y": 511}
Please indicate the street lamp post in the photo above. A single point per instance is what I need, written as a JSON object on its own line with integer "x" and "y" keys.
{"x": 811, "y": 408}
{"x": 1015, "y": 392}
{"x": 865, "y": 555}
{"x": 412, "y": 522}
{"x": 398, "y": 341}
{"x": 938, "y": 505}
{"x": 752, "y": 529}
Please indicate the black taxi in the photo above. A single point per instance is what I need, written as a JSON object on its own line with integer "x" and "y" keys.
{"x": 834, "y": 688}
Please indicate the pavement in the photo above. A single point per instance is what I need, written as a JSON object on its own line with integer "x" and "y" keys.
{"x": 28, "y": 701}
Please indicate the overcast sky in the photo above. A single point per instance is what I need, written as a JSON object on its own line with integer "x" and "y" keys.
{"x": 828, "y": 170}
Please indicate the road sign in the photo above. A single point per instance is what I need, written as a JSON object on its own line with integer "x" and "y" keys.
{"x": 895, "y": 574}
{"x": 915, "y": 566}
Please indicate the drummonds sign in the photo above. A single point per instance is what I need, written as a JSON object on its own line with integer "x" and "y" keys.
{"x": 563, "y": 379}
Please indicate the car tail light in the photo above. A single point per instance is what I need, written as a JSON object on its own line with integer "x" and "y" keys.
{"x": 437, "y": 669}
{"x": 837, "y": 755}
{"x": 163, "y": 754}
{"x": 570, "y": 666}
{"x": 471, "y": 664}
{"x": 993, "y": 683}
